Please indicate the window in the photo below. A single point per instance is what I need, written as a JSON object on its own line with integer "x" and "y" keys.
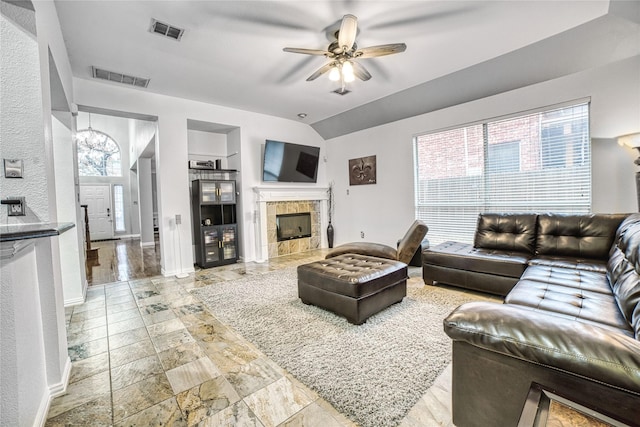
{"x": 98, "y": 154}
{"x": 503, "y": 157}
{"x": 537, "y": 162}
{"x": 118, "y": 207}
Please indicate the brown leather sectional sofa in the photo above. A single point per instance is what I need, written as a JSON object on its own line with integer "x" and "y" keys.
{"x": 570, "y": 322}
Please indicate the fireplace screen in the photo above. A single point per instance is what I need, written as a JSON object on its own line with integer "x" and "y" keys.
{"x": 293, "y": 226}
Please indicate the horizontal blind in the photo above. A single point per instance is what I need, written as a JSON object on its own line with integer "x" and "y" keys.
{"x": 532, "y": 163}
{"x": 449, "y": 182}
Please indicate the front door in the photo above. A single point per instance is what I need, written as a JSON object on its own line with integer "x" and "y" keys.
{"x": 98, "y": 201}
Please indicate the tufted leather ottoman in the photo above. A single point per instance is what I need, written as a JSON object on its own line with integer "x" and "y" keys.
{"x": 353, "y": 286}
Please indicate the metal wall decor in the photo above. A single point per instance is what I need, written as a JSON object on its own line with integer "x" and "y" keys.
{"x": 362, "y": 170}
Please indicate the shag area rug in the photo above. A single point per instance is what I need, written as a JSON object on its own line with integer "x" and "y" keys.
{"x": 373, "y": 373}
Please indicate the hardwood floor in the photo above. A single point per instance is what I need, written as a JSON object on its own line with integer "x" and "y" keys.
{"x": 121, "y": 260}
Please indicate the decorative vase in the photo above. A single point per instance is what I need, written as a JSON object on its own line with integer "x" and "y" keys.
{"x": 330, "y": 235}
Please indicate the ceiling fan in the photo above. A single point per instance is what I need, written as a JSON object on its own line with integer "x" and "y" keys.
{"x": 343, "y": 52}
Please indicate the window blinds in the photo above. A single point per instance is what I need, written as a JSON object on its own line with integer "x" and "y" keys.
{"x": 538, "y": 162}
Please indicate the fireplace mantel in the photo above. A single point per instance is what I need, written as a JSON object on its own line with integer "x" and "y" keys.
{"x": 283, "y": 194}
{"x": 264, "y": 194}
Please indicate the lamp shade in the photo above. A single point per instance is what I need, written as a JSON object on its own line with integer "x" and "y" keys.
{"x": 334, "y": 74}
{"x": 631, "y": 140}
{"x": 347, "y": 72}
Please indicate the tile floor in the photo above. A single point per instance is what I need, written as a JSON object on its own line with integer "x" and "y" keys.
{"x": 146, "y": 352}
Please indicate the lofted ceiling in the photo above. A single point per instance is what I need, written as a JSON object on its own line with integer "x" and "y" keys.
{"x": 231, "y": 51}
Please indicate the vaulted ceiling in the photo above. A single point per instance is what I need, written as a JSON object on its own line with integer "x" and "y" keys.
{"x": 231, "y": 51}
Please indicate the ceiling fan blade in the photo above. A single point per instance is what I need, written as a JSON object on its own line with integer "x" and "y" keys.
{"x": 382, "y": 50}
{"x": 306, "y": 51}
{"x": 360, "y": 72}
{"x": 348, "y": 31}
{"x": 320, "y": 71}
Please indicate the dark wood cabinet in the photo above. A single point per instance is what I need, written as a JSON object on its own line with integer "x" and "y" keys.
{"x": 214, "y": 222}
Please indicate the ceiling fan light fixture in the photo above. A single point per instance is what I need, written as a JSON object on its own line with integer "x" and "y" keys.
{"x": 342, "y": 52}
{"x": 347, "y": 72}
{"x": 334, "y": 74}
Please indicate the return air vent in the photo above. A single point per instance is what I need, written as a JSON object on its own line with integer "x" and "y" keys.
{"x": 112, "y": 76}
{"x": 166, "y": 30}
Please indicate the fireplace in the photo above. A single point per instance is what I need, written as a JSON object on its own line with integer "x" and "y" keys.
{"x": 273, "y": 201}
{"x": 293, "y": 226}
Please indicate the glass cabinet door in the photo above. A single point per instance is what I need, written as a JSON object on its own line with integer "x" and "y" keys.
{"x": 208, "y": 192}
{"x": 229, "y": 242}
{"x": 211, "y": 238}
{"x": 227, "y": 192}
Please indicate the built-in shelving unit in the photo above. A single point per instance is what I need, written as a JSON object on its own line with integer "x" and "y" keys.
{"x": 215, "y": 226}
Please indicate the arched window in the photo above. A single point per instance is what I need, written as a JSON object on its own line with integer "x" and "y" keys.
{"x": 98, "y": 154}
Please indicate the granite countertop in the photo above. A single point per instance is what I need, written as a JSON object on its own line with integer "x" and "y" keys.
{"x": 13, "y": 232}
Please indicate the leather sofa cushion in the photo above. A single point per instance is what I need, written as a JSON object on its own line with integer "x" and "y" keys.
{"x": 407, "y": 246}
{"x": 578, "y": 294}
{"x": 364, "y": 248}
{"x": 352, "y": 275}
{"x": 463, "y": 256}
{"x": 582, "y": 349}
{"x": 595, "y": 265}
{"x": 411, "y": 241}
{"x": 508, "y": 232}
{"x": 582, "y": 236}
{"x": 623, "y": 270}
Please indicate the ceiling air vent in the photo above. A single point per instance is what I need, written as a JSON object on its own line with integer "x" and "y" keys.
{"x": 112, "y": 76}
{"x": 166, "y": 30}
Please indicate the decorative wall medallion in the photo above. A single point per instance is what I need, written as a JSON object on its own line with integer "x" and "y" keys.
{"x": 362, "y": 170}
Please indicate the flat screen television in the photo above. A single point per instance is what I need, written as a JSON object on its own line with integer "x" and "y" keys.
{"x": 287, "y": 162}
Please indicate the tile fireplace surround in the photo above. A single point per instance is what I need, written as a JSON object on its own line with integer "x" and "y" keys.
{"x": 271, "y": 201}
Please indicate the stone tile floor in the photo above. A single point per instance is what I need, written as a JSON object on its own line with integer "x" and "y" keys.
{"x": 146, "y": 352}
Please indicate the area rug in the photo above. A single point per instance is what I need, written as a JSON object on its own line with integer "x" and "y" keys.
{"x": 373, "y": 373}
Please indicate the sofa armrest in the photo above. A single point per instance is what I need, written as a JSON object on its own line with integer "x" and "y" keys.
{"x": 585, "y": 350}
{"x": 364, "y": 248}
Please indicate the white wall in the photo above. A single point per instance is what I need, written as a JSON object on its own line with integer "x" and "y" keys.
{"x": 34, "y": 363}
{"x": 71, "y": 252}
{"x": 145, "y": 202}
{"x": 172, "y": 154}
{"x": 385, "y": 210}
{"x": 142, "y": 146}
{"x": 21, "y": 122}
{"x": 141, "y": 134}
{"x": 613, "y": 176}
{"x": 22, "y": 340}
{"x": 207, "y": 146}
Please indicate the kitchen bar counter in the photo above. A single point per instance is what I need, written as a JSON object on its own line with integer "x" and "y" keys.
{"x": 13, "y": 232}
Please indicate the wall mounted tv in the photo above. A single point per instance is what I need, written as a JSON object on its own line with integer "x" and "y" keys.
{"x": 287, "y": 162}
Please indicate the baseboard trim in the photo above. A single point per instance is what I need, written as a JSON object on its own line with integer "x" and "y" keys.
{"x": 147, "y": 244}
{"x": 169, "y": 273}
{"x": 60, "y": 388}
{"x": 78, "y": 300}
{"x": 53, "y": 391}
{"x": 126, "y": 236}
{"x": 75, "y": 301}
